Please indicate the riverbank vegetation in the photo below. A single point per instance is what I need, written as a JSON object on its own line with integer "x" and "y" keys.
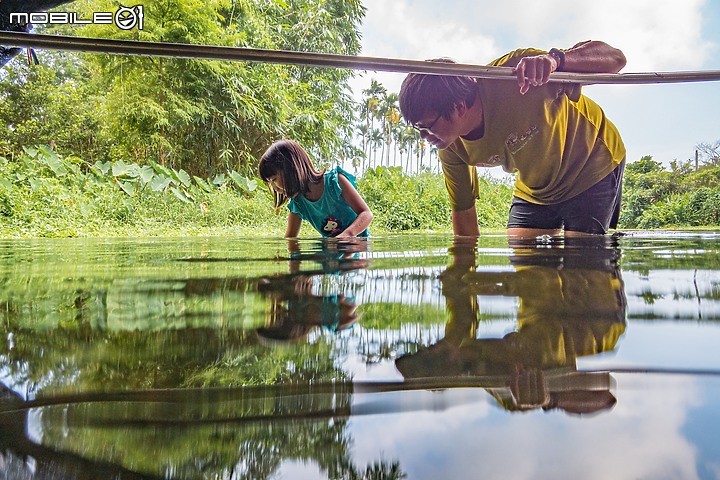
{"x": 45, "y": 194}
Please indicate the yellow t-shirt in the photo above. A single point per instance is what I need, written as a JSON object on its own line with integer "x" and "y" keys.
{"x": 557, "y": 140}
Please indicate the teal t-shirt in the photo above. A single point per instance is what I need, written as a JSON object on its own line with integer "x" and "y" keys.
{"x": 330, "y": 214}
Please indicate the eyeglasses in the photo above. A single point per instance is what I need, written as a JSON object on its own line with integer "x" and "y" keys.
{"x": 428, "y": 129}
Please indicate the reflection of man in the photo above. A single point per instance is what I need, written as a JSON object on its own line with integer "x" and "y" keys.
{"x": 571, "y": 304}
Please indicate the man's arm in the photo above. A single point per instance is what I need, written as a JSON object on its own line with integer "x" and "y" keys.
{"x": 594, "y": 57}
{"x": 462, "y": 187}
{"x": 588, "y": 57}
{"x": 465, "y": 222}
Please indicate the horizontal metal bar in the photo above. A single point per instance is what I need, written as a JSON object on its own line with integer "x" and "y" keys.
{"x": 562, "y": 379}
{"x": 213, "y": 52}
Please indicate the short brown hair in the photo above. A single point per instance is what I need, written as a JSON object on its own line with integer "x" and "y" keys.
{"x": 422, "y": 93}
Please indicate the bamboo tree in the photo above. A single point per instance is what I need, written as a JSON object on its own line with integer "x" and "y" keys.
{"x": 208, "y": 116}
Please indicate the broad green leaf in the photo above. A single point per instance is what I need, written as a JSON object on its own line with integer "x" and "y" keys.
{"x": 47, "y": 151}
{"x": 203, "y": 184}
{"x": 147, "y": 174}
{"x": 243, "y": 182}
{"x": 161, "y": 169}
{"x": 30, "y": 151}
{"x": 127, "y": 187}
{"x": 182, "y": 195}
{"x": 184, "y": 178}
{"x": 133, "y": 170}
{"x": 159, "y": 183}
{"x": 36, "y": 184}
{"x": 56, "y": 165}
{"x": 119, "y": 168}
{"x": 220, "y": 179}
{"x": 7, "y": 184}
{"x": 102, "y": 168}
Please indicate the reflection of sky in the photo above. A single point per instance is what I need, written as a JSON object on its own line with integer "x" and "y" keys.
{"x": 662, "y": 344}
{"x": 651, "y": 433}
{"x": 703, "y": 423}
{"x": 680, "y": 334}
{"x": 663, "y": 426}
{"x": 673, "y": 294}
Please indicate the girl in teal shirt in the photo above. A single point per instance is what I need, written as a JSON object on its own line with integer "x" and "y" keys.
{"x": 329, "y": 200}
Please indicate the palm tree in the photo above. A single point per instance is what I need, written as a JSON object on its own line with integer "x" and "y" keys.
{"x": 390, "y": 117}
{"x": 364, "y": 133}
{"x": 371, "y": 102}
{"x": 376, "y": 140}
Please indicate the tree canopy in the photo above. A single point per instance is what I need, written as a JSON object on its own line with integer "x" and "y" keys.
{"x": 203, "y": 116}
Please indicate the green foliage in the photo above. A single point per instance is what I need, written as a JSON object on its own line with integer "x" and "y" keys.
{"x": 204, "y": 117}
{"x": 51, "y": 103}
{"x": 401, "y": 202}
{"x": 419, "y": 202}
{"x": 45, "y": 194}
{"x": 654, "y": 197}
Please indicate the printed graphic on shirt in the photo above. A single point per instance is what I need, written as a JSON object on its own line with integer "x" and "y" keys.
{"x": 515, "y": 143}
{"x": 332, "y": 226}
{"x": 493, "y": 161}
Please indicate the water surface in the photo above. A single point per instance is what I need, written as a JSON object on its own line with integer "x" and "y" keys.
{"x": 413, "y": 356}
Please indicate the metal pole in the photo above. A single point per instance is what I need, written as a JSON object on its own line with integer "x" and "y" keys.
{"x": 213, "y": 52}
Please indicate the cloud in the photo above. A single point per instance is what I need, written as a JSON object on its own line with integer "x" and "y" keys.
{"x": 654, "y": 34}
{"x": 479, "y": 440}
{"x": 397, "y": 29}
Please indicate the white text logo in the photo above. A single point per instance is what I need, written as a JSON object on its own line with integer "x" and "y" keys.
{"x": 126, "y": 18}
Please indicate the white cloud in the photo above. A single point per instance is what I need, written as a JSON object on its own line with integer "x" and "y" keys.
{"x": 395, "y": 29}
{"x": 654, "y": 34}
{"x": 482, "y": 441}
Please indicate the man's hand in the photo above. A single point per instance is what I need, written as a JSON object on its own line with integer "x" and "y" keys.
{"x": 529, "y": 389}
{"x": 535, "y": 71}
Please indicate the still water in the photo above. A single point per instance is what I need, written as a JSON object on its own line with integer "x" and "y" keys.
{"x": 416, "y": 356}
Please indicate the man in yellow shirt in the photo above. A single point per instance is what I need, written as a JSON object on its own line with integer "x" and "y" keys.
{"x": 569, "y": 158}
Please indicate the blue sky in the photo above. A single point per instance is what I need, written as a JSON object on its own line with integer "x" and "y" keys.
{"x": 666, "y": 121}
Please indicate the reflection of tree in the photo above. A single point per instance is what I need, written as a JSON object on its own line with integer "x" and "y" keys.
{"x": 649, "y": 297}
{"x": 181, "y": 396}
{"x": 234, "y": 433}
{"x": 571, "y": 304}
{"x": 50, "y": 462}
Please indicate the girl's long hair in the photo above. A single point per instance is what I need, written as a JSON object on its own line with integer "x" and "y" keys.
{"x": 289, "y": 160}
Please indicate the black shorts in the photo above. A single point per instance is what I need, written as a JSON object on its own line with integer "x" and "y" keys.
{"x": 593, "y": 211}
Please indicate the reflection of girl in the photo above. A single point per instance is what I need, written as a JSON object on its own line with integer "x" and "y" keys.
{"x": 328, "y": 200}
{"x": 295, "y": 311}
